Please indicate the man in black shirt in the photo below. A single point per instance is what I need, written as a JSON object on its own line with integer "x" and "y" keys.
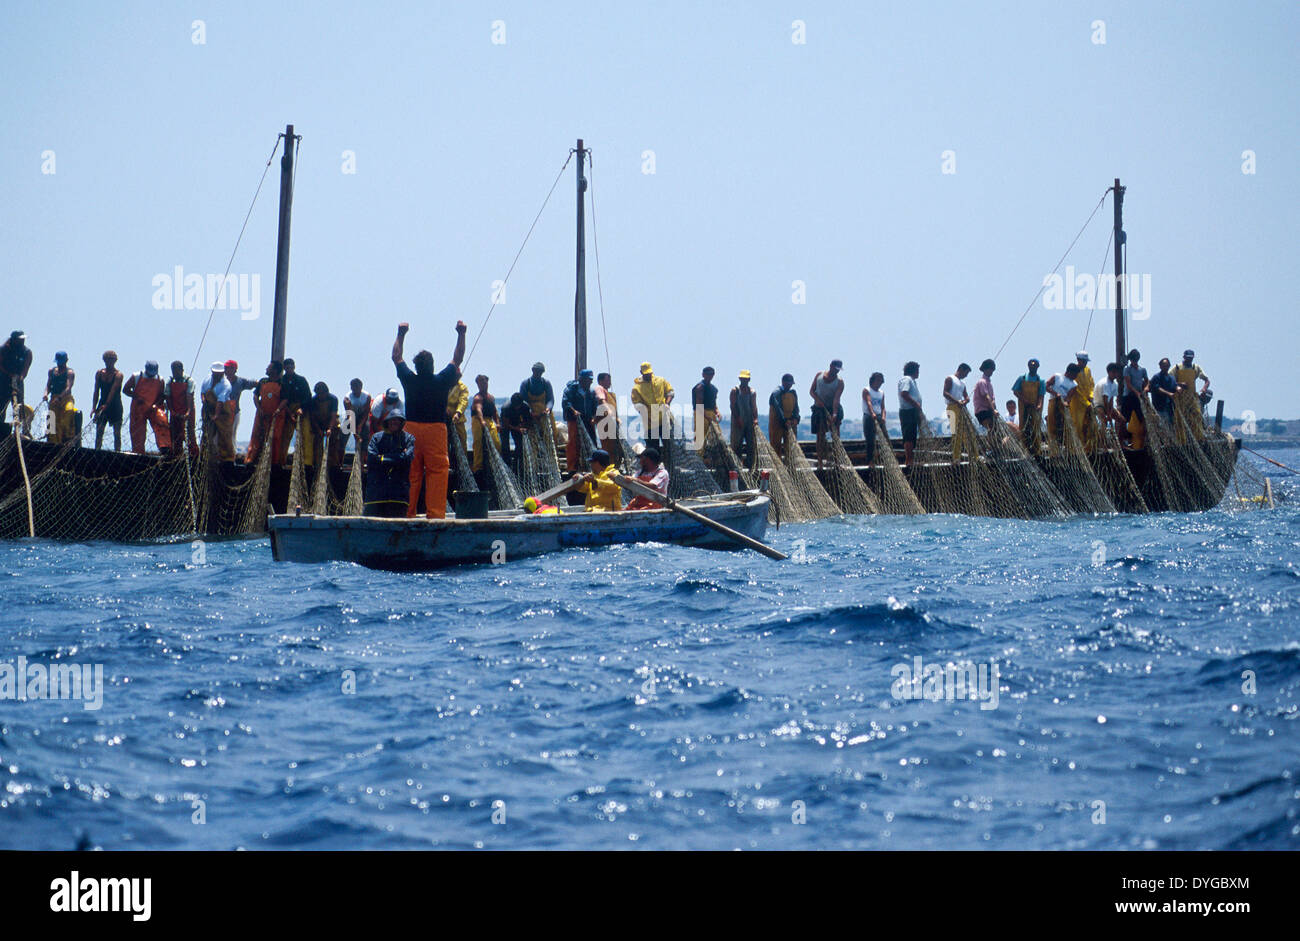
{"x": 426, "y": 419}
{"x": 296, "y": 395}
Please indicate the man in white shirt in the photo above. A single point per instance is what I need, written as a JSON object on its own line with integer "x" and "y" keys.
{"x": 909, "y": 408}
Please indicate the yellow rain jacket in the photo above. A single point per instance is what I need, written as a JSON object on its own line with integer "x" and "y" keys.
{"x": 602, "y": 493}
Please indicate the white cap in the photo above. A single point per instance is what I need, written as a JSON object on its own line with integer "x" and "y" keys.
{"x": 1083, "y": 355}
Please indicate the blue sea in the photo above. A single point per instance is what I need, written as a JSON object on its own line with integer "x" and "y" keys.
{"x": 650, "y": 697}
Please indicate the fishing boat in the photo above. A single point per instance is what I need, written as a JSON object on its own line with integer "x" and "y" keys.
{"x": 418, "y": 545}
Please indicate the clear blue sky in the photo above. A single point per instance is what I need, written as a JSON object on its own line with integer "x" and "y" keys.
{"x": 775, "y": 162}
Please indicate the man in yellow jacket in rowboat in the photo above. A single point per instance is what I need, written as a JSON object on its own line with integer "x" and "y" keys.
{"x": 598, "y": 486}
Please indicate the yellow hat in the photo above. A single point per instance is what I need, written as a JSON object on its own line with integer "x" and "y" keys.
{"x": 530, "y": 504}
{"x": 645, "y": 368}
{"x": 744, "y": 374}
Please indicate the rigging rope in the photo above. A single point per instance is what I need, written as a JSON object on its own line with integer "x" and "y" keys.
{"x": 1043, "y": 286}
{"x": 505, "y": 280}
{"x": 595, "y": 241}
{"x": 247, "y": 216}
{"x": 1101, "y": 273}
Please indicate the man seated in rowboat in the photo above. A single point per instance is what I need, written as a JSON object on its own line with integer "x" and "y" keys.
{"x": 653, "y": 474}
{"x": 601, "y": 491}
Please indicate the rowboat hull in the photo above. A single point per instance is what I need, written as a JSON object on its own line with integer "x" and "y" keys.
{"x": 415, "y": 545}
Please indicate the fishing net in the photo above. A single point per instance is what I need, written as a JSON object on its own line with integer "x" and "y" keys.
{"x": 1070, "y": 470}
{"x": 1250, "y": 488}
{"x": 460, "y": 465}
{"x": 1112, "y": 469}
{"x": 940, "y": 483}
{"x": 805, "y": 478}
{"x": 505, "y": 486}
{"x": 890, "y": 484}
{"x": 539, "y": 466}
{"x": 687, "y": 474}
{"x": 298, "y": 492}
{"x": 354, "y": 500}
{"x": 81, "y": 494}
{"x": 1184, "y": 478}
{"x": 718, "y": 455}
{"x": 1008, "y": 469}
{"x": 842, "y": 482}
{"x": 790, "y": 503}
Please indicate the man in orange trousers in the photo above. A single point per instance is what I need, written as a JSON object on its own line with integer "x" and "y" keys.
{"x": 426, "y": 419}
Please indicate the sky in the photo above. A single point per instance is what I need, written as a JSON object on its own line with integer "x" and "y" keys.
{"x": 798, "y": 152}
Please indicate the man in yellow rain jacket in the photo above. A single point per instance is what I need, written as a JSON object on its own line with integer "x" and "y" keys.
{"x": 651, "y": 395}
{"x": 601, "y": 492}
{"x": 457, "y": 405}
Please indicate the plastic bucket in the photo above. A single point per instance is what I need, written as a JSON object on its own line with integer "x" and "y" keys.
{"x": 471, "y": 504}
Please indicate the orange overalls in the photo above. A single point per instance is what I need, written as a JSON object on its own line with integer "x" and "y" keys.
{"x": 144, "y": 408}
{"x": 268, "y": 420}
{"x": 179, "y": 392}
{"x": 430, "y": 466}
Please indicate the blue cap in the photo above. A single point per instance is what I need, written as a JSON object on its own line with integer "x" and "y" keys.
{"x": 600, "y": 454}
{"x": 586, "y": 374}
{"x": 60, "y": 357}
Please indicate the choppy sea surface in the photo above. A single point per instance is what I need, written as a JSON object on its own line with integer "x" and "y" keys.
{"x": 1148, "y": 674}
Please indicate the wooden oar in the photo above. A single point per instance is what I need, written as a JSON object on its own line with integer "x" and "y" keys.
{"x": 641, "y": 490}
{"x": 573, "y": 483}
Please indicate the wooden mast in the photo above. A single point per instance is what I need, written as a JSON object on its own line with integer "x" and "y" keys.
{"x": 1120, "y": 339}
{"x": 580, "y": 292}
{"x": 282, "y": 245}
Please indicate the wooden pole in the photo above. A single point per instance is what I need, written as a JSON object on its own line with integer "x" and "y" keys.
{"x": 282, "y": 246}
{"x": 580, "y": 292}
{"x": 1120, "y": 338}
{"x": 641, "y": 490}
{"x": 1218, "y": 415}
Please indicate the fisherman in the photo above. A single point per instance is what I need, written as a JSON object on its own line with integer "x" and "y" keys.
{"x": 651, "y": 396}
{"x": 379, "y": 410}
{"x": 15, "y": 362}
{"x": 654, "y": 475}
{"x": 296, "y": 394}
{"x": 1108, "y": 394}
{"x": 145, "y": 390}
{"x": 106, "y": 405}
{"x": 783, "y": 415}
{"x": 270, "y": 411}
{"x": 426, "y": 409}
{"x": 219, "y": 412}
{"x": 178, "y": 396}
{"x": 608, "y": 433}
{"x": 873, "y": 412}
{"x": 62, "y": 425}
{"x": 486, "y": 433}
{"x": 983, "y": 399}
{"x": 539, "y": 394}
{"x": 826, "y": 414}
{"x": 457, "y": 407}
{"x": 1030, "y": 391}
{"x": 238, "y": 386}
{"x": 534, "y": 508}
{"x": 744, "y": 420}
{"x": 578, "y": 403}
{"x": 323, "y": 435}
{"x": 909, "y": 408}
{"x": 1087, "y": 385}
{"x": 1163, "y": 388}
{"x": 1187, "y": 372}
{"x": 1134, "y": 385}
{"x": 516, "y": 419}
{"x": 388, "y": 467}
{"x": 704, "y": 396}
{"x": 1012, "y": 423}
{"x": 358, "y": 403}
{"x": 1063, "y": 388}
{"x": 601, "y": 491}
